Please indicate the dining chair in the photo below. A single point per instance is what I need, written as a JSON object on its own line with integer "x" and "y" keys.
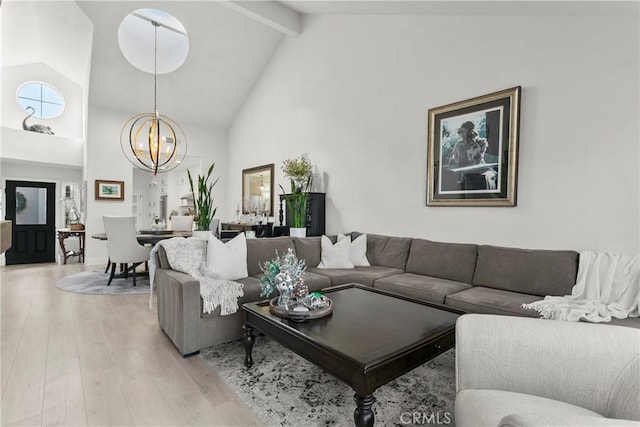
{"x": 123, "y": 245}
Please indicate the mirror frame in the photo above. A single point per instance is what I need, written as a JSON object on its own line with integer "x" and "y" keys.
{"x": 256, "y": 170}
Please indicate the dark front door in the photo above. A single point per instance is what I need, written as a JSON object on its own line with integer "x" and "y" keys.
{"x": 32, "y": 208}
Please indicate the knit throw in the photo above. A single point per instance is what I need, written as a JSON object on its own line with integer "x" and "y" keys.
{"x": 189, "y": 256}
{"x": 607, "y": 286}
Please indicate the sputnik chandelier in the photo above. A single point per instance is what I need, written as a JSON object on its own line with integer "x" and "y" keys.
{"x": 151, "y": 141}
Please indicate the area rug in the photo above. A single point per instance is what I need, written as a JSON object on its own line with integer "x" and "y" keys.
{"x": 95, "y": 283}
{"x": 283, "y": 389}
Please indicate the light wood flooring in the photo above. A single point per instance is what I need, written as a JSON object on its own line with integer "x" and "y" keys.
{"x": 76, "y": 360}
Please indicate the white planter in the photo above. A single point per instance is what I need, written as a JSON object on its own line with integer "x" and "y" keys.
{"x": 297, "y": 232}
{"x": 201, "y": 234}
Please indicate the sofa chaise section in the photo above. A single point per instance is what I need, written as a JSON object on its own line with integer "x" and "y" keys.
{"x": 180, "y": 313}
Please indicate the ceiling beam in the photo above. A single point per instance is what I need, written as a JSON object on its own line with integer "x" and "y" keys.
{"x": 270, "y": 13}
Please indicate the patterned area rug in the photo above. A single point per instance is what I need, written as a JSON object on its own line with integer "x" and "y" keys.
{"x": 95, "y": 283}
{"x": 284, "y": 389}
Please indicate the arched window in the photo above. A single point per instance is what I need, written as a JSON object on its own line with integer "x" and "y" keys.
{"x": 45, "y": 99}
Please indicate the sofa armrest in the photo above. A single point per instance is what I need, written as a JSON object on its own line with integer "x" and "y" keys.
{"x": 179, "y": 309}
{"x": 554, "y": 420}
{"x": 578, "y": 363}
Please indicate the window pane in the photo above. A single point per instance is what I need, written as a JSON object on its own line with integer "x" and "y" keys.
{"x": 51, "y": 110}
{"x": 50, "y": 95}
{"x": 31, "y": 91}
{"x": 24, "y": 103}
{"x": 31, "y": 205}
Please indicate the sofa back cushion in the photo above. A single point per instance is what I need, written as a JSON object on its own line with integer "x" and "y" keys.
{"x": 308, "y": 249}
{"x": 528, "y": 271}
{"x": 261, "y": 250}
{"x": 452, "y": 261}
{"x": 386, "y": 251}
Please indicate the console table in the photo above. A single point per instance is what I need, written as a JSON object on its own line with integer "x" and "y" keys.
{"x": 64, "y": 234}
{"x": 261, "y": 230}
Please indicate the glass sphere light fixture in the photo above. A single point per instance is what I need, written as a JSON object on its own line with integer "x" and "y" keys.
{"x": 151, "y": 141}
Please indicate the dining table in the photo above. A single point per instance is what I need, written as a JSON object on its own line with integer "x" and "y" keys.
{"x": 150, "y": 237}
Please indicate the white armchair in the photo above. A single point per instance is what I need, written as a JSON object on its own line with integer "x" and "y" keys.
{"x": 123, "y": 245}
{"x": 516, "y": 371}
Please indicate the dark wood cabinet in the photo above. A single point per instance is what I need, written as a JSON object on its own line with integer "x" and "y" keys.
{"x": 315, "y": 214}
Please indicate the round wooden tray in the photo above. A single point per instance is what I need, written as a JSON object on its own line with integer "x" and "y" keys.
{"x": 299, "y": 316}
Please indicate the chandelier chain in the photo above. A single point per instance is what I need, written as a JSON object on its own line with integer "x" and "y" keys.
{"x": 155, "y": 66}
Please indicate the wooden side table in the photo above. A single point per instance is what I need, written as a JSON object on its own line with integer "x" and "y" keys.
{"x": 65, "y": 233}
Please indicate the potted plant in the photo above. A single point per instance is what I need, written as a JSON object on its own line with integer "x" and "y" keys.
{"x": 299, "y": 170}
{"x": 203, "y": 201}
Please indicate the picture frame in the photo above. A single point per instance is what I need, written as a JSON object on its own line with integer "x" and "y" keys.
{"x": 472, "y": 151}
{"x": 109, "y": 190}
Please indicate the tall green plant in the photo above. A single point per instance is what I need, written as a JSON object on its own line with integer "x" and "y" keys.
{"x": 297, "y": 202}
{"x": 299, "y": 170}
{"x": 203, "y": 201}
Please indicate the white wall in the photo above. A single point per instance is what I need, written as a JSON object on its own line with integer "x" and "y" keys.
{"x": 353, "y": 92}
{"x": 47, "y": 41}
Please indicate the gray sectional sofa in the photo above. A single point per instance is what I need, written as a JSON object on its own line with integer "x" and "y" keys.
{"x": 468, "y": 277}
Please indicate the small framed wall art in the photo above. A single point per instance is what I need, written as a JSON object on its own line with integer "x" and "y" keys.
{"x": 472, "y": 151}
{"x": 109, "y": 190}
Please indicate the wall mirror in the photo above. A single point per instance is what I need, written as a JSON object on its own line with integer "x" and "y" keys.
{"x": 257, "y": 190}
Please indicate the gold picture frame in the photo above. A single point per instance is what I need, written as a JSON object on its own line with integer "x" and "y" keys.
{"x": 472, "y": 151}
{"x": 109, "y": 190}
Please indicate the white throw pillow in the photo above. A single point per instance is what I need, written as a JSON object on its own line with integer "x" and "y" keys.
{"x": 359, "y": 251}
{"x": 335, "y": 256}
{"x": 227, "y": 261}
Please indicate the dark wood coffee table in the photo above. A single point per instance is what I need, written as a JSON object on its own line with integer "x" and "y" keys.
{"x": 371, "y": 338}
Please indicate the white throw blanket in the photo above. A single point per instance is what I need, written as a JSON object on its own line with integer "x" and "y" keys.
{"x": 189, "y": 256}
{"x": 608, "y": 285}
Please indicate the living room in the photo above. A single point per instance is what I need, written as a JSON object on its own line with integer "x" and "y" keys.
{"x": 353, "y": 90}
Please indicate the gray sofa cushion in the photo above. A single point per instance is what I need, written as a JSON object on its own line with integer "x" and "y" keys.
{"x": 262, "y": 250}
{"x": 537, "y": 272}
{"x": 385, "y": 251}
{"x": 308, "y": 249}
{"x": 492, "y": 301}
{"x": 452, "y": 261}
{"x": 362, "y": 275}
{"x": 432, "y": 289}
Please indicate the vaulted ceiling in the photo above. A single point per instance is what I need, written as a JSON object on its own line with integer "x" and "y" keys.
{"x": 232, "y": 41}
{"x": 227, "y": 53}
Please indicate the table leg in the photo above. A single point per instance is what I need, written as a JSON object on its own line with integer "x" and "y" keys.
{"x": 363, "y": 415}
{"x": 61, "y": 238}
{"x": 81, "y": 242}
{"x": 248, "y": 339}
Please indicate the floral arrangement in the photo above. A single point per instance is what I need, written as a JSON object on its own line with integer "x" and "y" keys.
{"x": 286, "y": 274}
{"x": 298, "y": 168}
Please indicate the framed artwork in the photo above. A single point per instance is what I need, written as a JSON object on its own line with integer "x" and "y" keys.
{"x": 109, "y": 190}
{"x": 472, "y": 151}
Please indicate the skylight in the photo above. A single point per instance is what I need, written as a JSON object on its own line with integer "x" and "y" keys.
{"x": 136, "y": 39}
